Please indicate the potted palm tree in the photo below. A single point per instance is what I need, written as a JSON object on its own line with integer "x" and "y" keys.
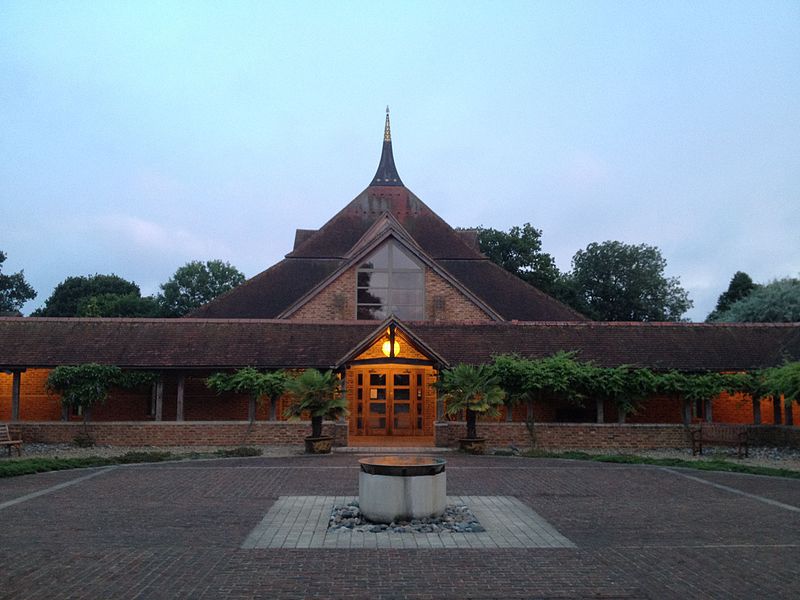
{"x": 320, "y": 395}
{"x": 475, "y": 390}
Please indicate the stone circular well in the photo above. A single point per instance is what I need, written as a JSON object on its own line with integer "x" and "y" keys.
{"x": 394, "y": 488}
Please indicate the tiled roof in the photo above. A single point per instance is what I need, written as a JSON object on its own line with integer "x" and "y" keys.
{"x": 211, "y": 343}
{"x": 269, "y": 293}
{"x": 513, "y": 298}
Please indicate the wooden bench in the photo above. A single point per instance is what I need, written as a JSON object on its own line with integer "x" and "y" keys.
{"x": 720, "y": 435}
{"x": 10, "y": 442}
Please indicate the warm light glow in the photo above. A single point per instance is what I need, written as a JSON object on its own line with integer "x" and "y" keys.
{"x": 387, "y": 349}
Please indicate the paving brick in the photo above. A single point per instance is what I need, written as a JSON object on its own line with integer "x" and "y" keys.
{"x": 177, "y": 530}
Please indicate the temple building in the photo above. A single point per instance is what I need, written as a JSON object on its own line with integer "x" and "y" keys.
{"x": 385, "y": 293}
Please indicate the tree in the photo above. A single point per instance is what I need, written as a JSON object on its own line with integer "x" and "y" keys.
{"x": 119, "y": 305}
{"x": 319, "y": 394}
{"x": 14, "y": 291}
{"x": 87, "y": 385}
{"x": 256, "y": 384}
{"x": 740, "y": 287}
{"x": 775, "y": 302}
{"x": 471, "y": 388}
{"x": 625, "y": 282}
{"x": 197, "y": 283}
{"x": 68, "y": 295}
{"x": 519, "y": 251}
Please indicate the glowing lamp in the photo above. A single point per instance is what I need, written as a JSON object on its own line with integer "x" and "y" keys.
{"x": 387, "y": 348}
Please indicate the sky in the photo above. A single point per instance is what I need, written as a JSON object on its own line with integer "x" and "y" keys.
{"x": 138, "y": 136}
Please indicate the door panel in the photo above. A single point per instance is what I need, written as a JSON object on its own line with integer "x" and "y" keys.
{"x": 390, "y": 401}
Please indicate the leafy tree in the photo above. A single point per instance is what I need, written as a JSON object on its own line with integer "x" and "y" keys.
{"x": 625, "y": 282}
{"x": 14, "y": 291}
{"x": 740, "y": 287}
{"x": 785, "y": 381}
{"x": 87, "y": 385}
{"x": 68, "y": 295}
{"x": 319, "y": 394}
{"x": 119, "y": 305}
{"x": 471, "y": 388}
{"x": 625, "y": 386}
{"x": 256, "y": 384}
{"x": 197, "y": 283}
{"x": 519, "y": 251}
{"x": 775, "y": 302}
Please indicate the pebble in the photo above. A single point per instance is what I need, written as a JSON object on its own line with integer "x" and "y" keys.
{"x": 457, "y": 518}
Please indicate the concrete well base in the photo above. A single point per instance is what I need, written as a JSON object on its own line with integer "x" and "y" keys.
{"x": 387, "y": 498}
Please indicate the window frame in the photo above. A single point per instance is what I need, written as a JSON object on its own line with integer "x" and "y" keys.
{"x": 392, "y": 245}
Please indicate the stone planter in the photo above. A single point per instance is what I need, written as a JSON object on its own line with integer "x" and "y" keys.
{"x": 319, "y": 445}
{"x": 472, "y": 445}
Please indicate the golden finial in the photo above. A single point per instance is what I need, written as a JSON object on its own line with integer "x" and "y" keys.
{"x": 387, "y": 132}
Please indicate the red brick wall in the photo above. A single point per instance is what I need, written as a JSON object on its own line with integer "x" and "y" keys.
{"x": 166, "y": 433}
{"x": 566, "y": 435}
{"x": 337, "y": 301}
{"x": 35, "y": 403}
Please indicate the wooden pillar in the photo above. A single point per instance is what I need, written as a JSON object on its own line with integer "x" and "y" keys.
{"x": 251, "y": 408}
{"x": 273, "y": 409}
{"x": 776, "y": 410}
{"x": 179, "y": 400}
{"x": 789, "y": 414}
{"x": 509, "y": 413}
{"x": 530, "y": 411}
{"x": 708, "y": 410}
{"x": 598, "y": 404}
{"x": 621, "y": 414}
{"x": 756, "y": 411}
{"x": 687, "y": 412}
{"x": 16, "y": 376}
{"x": 159, "y": 398}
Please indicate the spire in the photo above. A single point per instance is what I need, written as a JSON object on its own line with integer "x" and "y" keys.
{"x": 387, "y": 172}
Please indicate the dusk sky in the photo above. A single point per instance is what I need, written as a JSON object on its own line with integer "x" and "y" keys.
{"x": 136, "y": 136}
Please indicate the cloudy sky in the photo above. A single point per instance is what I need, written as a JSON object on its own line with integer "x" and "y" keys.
{"x": 136, "y": 136}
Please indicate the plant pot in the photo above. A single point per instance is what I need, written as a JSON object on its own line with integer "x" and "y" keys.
{"x": 319, "y": 445}
{"x": 472, "y": 445}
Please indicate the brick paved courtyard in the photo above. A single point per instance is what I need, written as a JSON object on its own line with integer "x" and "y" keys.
{"x": 178, "y": 530}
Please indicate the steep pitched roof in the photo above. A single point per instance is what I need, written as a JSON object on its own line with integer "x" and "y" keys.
{"x": 386, "y": 200}
{"x": 222, "y": 343}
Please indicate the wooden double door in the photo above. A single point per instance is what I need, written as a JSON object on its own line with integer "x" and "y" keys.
{"x": 390, "y": 401}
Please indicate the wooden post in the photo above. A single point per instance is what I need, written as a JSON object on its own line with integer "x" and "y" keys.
{"x": 273, "y": 409}
{"x": 756, "y": 411}
{"x": 179, "y": 400}
{"x": 251, "y": 408}
{"x": 687, "y": 412}
{"x": 709, "y": 415}
{"x": 621, "y": 414}
{"x": 789, "y": 414}
{"x": 776, "y": 410}
{"x": 509, "y": 413}
{"x": 530, "y": 410}
{"x": 159, "y": 398}
{"x": 15, "y": 384}
{"x": 598, "y": 403}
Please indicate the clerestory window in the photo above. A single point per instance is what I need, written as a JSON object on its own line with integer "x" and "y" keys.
{"x": 390, "y": 281}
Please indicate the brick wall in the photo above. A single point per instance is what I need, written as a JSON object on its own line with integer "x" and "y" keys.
{"x": 568, "y": 435}
{"x": 166, "y": 433}
{"x": 337, "y": 301}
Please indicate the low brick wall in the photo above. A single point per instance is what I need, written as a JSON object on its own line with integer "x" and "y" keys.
{"x": 568, "y": 435}
{"x": 186, "y": 433}
{"x": 778, "y": 436}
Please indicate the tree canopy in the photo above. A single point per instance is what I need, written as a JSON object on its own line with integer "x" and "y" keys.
{"x": 14, "y": 291}
{"x": 775, "y": 302}
{"x": 196, "y": 283}
{"x": 66, "y": 299}
{"x": 740, "y": 287}
{"x": 519, "y": 251}
{"x": 615, "y": 281}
